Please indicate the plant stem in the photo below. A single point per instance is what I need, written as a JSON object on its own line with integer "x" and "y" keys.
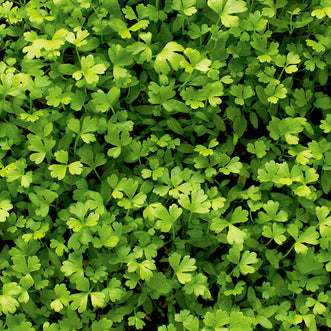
{"x": 217, "y": 22}
{"x": 75, "y": 145}
{"x": 112, "y": 109}
{"x": 281, "y": 73}
{"x": 269, "y": 241}
{"x": 289, "y": 251}
{"x": 173, "y": 233}
{"x": 291, "y": 25}
{"x": 190, "y": 218}
{"x": 96, "y": 172}
{"x": 78, "y": 56}
{"x": 186, "y": 81}
{"x": 251, "y": 5}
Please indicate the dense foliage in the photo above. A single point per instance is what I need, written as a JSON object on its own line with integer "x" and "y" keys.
{"x": 165, "y": 165}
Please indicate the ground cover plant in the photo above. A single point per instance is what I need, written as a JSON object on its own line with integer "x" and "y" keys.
{"x": 165, "y": 165}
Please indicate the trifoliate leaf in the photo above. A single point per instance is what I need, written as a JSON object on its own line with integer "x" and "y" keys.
{"x": 168, "y": 53}
{"x": 182, "y": 268}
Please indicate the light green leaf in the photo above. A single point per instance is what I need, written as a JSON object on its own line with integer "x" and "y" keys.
{"x": 97, "y": 299}
{"x": 224, "y": 8}
{"x": 168, "y": 53}
{"x": 246, "y": 262}
{"x": 58, "y": 170}
{"x": 75, "y": 168}
{"x": 235, "y": 235}
{"x": 182, "y": 268}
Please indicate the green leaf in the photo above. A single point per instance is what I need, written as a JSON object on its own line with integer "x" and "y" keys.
{"x": 309, "y": 236}
{"x": 102, "y": 102}
{"x": 175, "y": 126}
{"x": 235, "y": 235}
{"x": 326, "y": 124}
{"x": 41, "y": 147}
{"x": 144, "y": 268}
{"x": 167, "y": 218}
{"x": 218, "y": 224}
{"x": 276, "y": 233}
{"x": 73, "y": 267}
{"x": 238, "y": 289}
{"x": 197, "y": 204}
{"x": 137, "y": 321}
{"x": 56, "y": 96}
{"x": 266, "y": 52}
{"x": 272, "y": 213}
{"x": 189, "y": 321}
{"x": 5, "y": 206}
{"x": 239, "y": 216}
{"x": 79, "y": 301}
{"x": 216, "y": 319}
{"x": 102, "y": 324}
{"x": 58, "y": 171}
{"x": 63, "y": 297}
{"x": 246, "y": 262}
{"x": 8, "y": 303}
{"x": 114, "y": 290}
{"x": 107, "y": 237}
{"x": 264, "y": 322}
{"x": 199, "y": 286}
{"x": 182, "y": 268}
{"x": 324, "y": 220}
{"x": 75, "y": 168}
{"x": 79, "y": 39}
{"x": 184, "y": 6}
{"x": 196, "y": 62}
{"x": 224, "y": 9}
{"x": 168, "y": 53}
{"x": 287, "y": 128}
{"x": 25, "y": 267}
{"x": 259, "y": 148}
{"x": 241, "y": 92}
{"x": 97, "y": 299}
{"x": 275, "y": 92}
{"x": 323, "y": 101}
{"x": 89, "y": 70}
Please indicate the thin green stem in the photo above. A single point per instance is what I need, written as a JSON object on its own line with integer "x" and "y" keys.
{"x": 112, "y": 109}
{"x": 269, "y": 241}
{"x": 208, "y": 228}
{"x": 281, "y": 73}
{"x": 250, "y": 215}
{"x": 78, "y": 56}
{"x": 3, "y": 102}
{"x": 75, "y": 145}
{"x": 251, "y": 5}
{"x": 190, "y": 218}
{"x": 96, "y": 172}
{"x": 30, "y": 103}
{"x": 186, "y": 81}
{"x": 215, "y": 43}
{"x": 289, "y": 251}
{"x": 231, "y": 272}
{"x": 291, "y": 25}
{"x": 217, "y": 22}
